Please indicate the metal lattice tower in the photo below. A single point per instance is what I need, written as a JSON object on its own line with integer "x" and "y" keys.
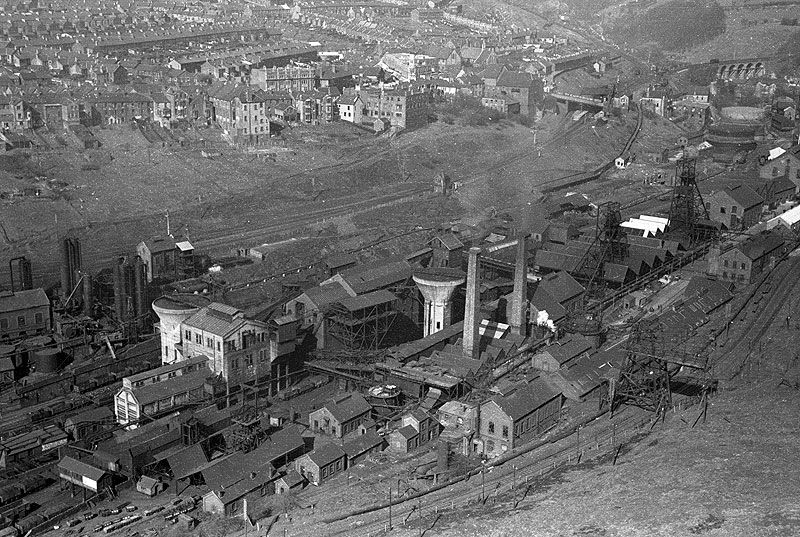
{"x": 610, "y": 245}
{"x": 654, "y": 356}
{"x": 687, "y": 208}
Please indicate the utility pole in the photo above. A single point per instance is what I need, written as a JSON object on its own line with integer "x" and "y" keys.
{"x": 419, "y": 510}
{"x": 483, "y": 483}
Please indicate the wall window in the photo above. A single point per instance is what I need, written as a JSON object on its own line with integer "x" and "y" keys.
{"x": 744, "y": 266}
{"x": 219, "y": 346}
{"x": 38, "y": 318}
{"x": 188, "y": 336}
{"x": 209, "y": 343}
{"x": 733, "y": 209}
{"x": 722, "y": 210}
{"x": 21, "y": 321}
{"x": 505, "y": 431}
{"x": 491, "y": 427}
{"x": 3, "y": 324}
{"x": 725, "y": 263}
{"x": 198, "y": 338}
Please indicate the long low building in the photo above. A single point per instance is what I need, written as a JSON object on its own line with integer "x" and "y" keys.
{"x": 160, "y": 389}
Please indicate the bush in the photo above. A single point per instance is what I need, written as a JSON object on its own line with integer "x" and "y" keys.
{"x": 469, "y": 110}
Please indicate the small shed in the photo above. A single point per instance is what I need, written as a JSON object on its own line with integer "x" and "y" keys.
{"x": 186, "y": 522}
{"x": 149, "y": 486}
{"x": 290, "y": 482}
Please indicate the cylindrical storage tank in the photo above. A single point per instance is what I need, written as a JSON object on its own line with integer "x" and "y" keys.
{"x": 47, "y": 360}
{"x": 172, "y": 310}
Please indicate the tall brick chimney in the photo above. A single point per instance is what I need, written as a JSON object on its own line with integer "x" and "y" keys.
{"x": 470, "y": 340}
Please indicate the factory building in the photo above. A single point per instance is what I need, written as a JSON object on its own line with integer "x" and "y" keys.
{"x": 23, "y": 314}
{"x": 172, "y": 311}
{"x": 160, "y": 389}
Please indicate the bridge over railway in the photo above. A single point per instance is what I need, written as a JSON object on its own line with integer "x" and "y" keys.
{"x": 584, "y": 101}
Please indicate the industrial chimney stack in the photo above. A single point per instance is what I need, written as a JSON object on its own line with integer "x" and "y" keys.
{"x": 520, "y": 298}
{"x": 470, "y": 341}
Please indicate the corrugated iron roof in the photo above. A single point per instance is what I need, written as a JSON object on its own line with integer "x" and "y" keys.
{"x": 81, "y": 468}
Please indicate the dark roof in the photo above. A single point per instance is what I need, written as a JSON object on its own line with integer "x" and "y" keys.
{"x": 526, "y": 399}
{"x": 93, "y": 415}
{"x": 167, "y": 368}
{"x": 561, "y": 286}
{"x": 187, "y": 461}
{"x": 361, "y": 302}
{"x": 449, "y": 241}
{"x": 542, "y": 301}
{"x": 551, "y": 260}
{"x": 376, "y": 275}
{"x": 21, "y": 300}
{"x": 81, "y": 468}
{"x": 745, "y": 196}
{"x": 761, "y": 245}
{"x": 407, "y": 432}
{"x": 567, "y": 349}
{"x": 362, "y": 443}
{"x": 513, "y": 79}
{"x": 219, "y": 319}
{"x": 326, "y": 454}
{"x": 280, "y": 444}
{"x": 326, "y": 294}
{"x": 345, "y": 408}
{"x": 292, "y": 478}
{"x": 179, "y": 384}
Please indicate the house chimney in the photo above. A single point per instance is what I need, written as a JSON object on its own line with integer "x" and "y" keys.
{"x": 519, "y": 299}
{"x": 470, "y": 340}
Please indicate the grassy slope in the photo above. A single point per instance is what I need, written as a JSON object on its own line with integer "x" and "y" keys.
{"x": 735, "y": 475}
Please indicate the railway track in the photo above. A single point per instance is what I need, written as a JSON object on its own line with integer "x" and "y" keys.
{"x": 586, "y": 442}
{"x": 772, "y": 292}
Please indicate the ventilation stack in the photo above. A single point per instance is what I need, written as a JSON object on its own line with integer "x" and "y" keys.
{"x": 437, "y": 287}
{"x": 520, "y": 298}
{"x": 70, "y": 265}
{"x": 471, "y": 338}
{"x": 140, "y": 287}
{"x": 119, "y": 291}
{"x": 66, "y": 288}
{"x": 25, "y": 273}
{"x": 88, "y": 293}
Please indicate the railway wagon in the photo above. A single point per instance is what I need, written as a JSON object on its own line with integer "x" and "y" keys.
{"x": 10, "y": 531}
{"x": 29, "y": 522}
{"x": 9, "y": 493}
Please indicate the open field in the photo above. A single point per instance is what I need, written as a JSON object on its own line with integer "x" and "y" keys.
{"x": 117, "y": 195}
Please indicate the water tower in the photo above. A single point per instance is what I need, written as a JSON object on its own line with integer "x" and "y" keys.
{"x": 437, "y": 286}
{"x": 172, "y": 310}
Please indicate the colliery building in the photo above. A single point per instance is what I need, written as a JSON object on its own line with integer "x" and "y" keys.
{"x": 158, "y": 390}
{"x": 24, "y": 313}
